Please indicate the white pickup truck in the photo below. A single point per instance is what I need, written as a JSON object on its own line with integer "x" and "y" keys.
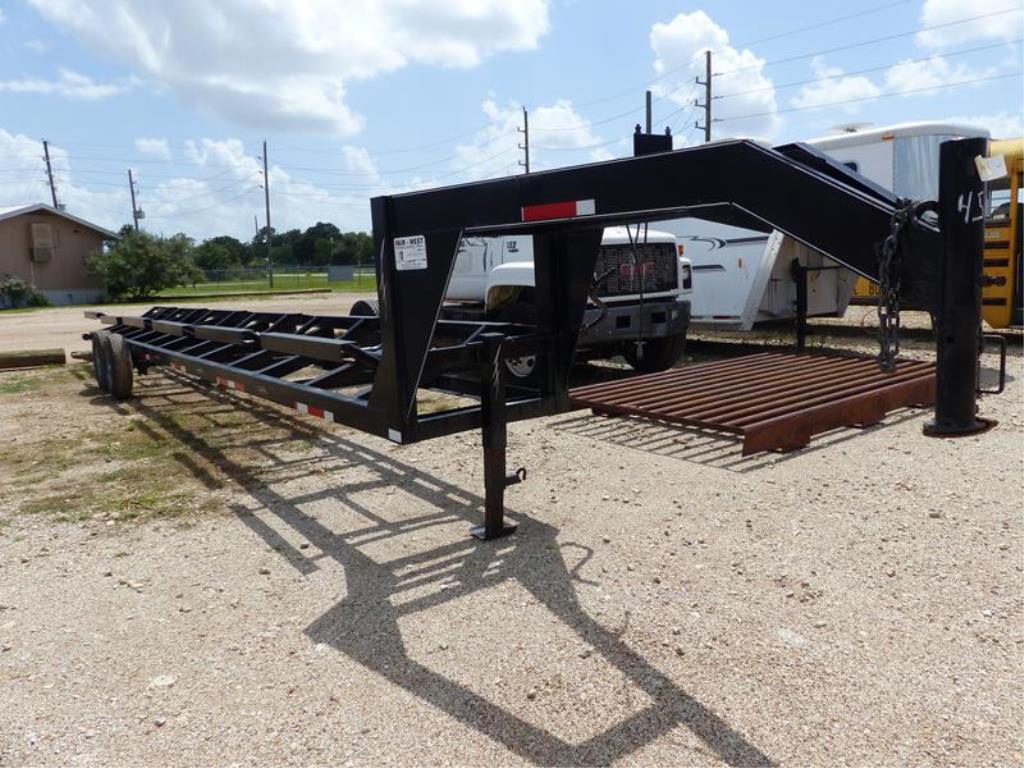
{"x": 639, "y": 304}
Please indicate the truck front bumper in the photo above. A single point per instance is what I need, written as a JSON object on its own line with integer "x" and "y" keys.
{"x": 627, "y": 322}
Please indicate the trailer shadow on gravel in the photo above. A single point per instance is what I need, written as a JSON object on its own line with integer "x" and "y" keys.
{"x": 365, "y": 625}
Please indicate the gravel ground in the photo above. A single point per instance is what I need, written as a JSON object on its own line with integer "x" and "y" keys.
{"x": 665, "y": 601}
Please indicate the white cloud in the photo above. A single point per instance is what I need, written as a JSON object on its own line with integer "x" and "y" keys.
{"x": 1002, "y": 125}
{"x": 358, "y": 161}
{"x": 679, "y": 48}
{"x": 932, "y": 72}
{"x": 217, "y": 196}
{"x": 37, "y": 45}
{"x": 832, "y": 86}
{"x": 28, "y": 185}
{"x": 153, "y": 147}
{"x": 3, "y": 18}
{"x": 1004, "y": 26}
{"x": 559, "y": 136}
{"x": 70, "y": 84}
{"x": 286, "y": 65}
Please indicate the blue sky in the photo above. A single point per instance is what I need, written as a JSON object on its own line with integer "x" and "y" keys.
{"x": 367, "y": 97}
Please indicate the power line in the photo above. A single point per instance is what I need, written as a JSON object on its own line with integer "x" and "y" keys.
{"x": 389, "y": 171}
{"x": 577, "y": 149}
{"x": 869, "y": 69}
{"x": 821, "y": 24}
{"x": 879, "y": 96}
{"x": 872, "y": 41}
{"x": 201, "y": 210}
{"x": 674, "y": 70}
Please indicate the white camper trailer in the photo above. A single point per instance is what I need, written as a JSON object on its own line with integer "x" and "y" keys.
{"x": 742, "y": 277}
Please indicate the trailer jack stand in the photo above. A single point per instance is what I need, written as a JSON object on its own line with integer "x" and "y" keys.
{"x": 958, "y": 327}
{"x": 494, "y": 526}
{"x": 495, "y": 440}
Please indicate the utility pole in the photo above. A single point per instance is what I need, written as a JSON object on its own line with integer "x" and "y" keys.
{"x": 49, "y": 172}
{"x": 266, "y": 198}
{"x": 525, "y": 146}
{"x": 255, "y": 225}
{"x": 647, "y": 111}
{"x": 707, "y": 97}
{"x": 135, "y": 208}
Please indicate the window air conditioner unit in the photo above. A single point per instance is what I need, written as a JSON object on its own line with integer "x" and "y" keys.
{"x": 42, "y": 242}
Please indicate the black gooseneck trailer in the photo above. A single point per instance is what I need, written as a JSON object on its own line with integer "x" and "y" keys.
{"x": 368, "y": 371}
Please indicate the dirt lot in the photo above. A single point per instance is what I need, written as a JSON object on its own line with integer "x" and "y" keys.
{"x": 193, "y": 577}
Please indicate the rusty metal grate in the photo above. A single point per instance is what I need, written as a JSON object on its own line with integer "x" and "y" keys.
{"x": 775, "y": 400}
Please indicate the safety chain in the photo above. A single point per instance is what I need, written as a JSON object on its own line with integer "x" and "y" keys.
{"x": 889, "y": 287}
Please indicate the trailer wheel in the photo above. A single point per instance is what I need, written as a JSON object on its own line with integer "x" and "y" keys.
{"x": 120, "y": 367}
{"x": 100, "y": 370}
{"x": 365, "y": 308}
{"x": 659, "y": 354}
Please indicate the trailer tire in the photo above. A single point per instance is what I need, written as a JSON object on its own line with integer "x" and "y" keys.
{"x": 100, "y": 370}
{"x": 120, "y": 367}
{"x": 365, "y": 308}
{"x": 659, "y": 354}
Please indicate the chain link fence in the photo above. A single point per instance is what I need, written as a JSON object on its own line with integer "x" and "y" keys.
{"x": 283, "y": 278}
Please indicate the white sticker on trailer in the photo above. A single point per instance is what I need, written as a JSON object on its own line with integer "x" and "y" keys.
{"x": 410, "y": 252}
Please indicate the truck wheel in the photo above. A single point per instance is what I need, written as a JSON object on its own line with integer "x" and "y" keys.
{"x": 365, "y": 308}
{"x": 100, "y": 370}
{"x": 659, "y": 354}
{"x": 121, "y": 373}
{"x": 521, "y": 370}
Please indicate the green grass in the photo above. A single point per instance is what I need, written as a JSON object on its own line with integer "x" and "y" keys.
{"x": 282, "y": 283}
{"x": 21, "y": 310}
{"x": 12, "y": 385}
{"x": 38, "y": 378}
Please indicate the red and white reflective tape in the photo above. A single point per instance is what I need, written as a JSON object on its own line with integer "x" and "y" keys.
{"x": 229, "y": 384}
{"x": 563, "y": 210}
{"x": 312, "y": 410}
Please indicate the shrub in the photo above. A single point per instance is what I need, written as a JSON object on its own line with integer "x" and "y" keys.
{"x": 15, "y": 292}
{"x": 140, "y": 265}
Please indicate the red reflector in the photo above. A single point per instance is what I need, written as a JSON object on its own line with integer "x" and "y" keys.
{"x": 564, "y": 210}
{"x": 314, "y": 411}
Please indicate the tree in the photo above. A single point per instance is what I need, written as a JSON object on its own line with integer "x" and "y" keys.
{"x": 139, "y": 264}
{"x": 221, "y": 252}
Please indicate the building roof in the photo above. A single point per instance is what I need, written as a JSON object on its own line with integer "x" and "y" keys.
{"x": 19, "y": 210}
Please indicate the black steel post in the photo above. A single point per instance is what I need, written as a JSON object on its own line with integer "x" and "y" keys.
{"x": 800, "y": 277}
{"x": 958, "y": 310}
{"x": 495, "y": 441}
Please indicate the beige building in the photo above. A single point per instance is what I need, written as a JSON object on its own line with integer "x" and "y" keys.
{"x": 48, "y": 248}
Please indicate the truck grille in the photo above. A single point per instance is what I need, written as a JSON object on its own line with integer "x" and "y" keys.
{"x": 655, "y": 270}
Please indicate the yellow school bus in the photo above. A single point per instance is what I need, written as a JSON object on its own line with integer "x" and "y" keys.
{"x": 1001, "y": 298}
